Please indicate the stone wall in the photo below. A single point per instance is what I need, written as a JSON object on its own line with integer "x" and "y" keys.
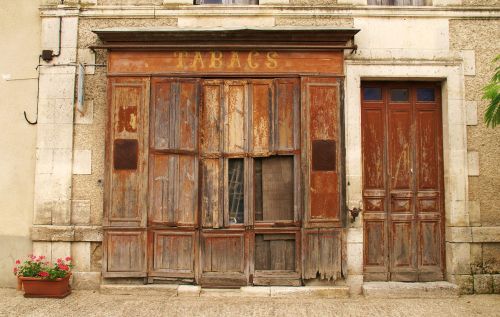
{"x": 483, "y": 143}
{"x": 458, "y": 50}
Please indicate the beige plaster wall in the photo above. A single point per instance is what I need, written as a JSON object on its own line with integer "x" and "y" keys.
{"x": 20, "y": 50}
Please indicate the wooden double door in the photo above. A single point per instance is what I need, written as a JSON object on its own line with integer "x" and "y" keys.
{"x": 402, "y": 181}
{"x": 214, "y": 182}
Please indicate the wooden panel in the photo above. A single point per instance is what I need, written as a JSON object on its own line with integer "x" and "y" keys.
{"x": 275, "y": 252}
{"x": 430, "y": 243}
{"x": 217, "y": 62}
{"x": 188, "y": 115}
{"x": 125, "y": 253}
{"x": 163, "y": 114}
{"x": 287, "y": 117}
{"x": 402, "y": 252}
{"x": 174, "y": 114}
{"x": 323, "y": 107}
{"x": 322, "y": 254}
{"x": 174, "y": 193}
{"x": 375, "y": 241}
{"x": 235, "y": 103}
{"x": 373, "y": 126}
{"x": 427, "y": 149}
{"x": 223, "y": 253}
{"x": 324, "y": 196}
{"x": 211, "y": 128}
{"x": 187, "y": 204}
{"x": 262, "y": 113}
{"x": 323, "y": 124}
{"x": 400, "y": 147}
{"x": 127, "y": 143}
{"x": 173, "y": 253}
{"x": 212, "y": 193}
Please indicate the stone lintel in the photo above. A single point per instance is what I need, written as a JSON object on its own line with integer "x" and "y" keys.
{"x": 66, "y": 233}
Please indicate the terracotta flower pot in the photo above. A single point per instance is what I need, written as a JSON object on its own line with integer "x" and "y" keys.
{"x": 37, "y": 287}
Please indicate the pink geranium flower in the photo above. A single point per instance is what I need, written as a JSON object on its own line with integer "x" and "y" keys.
{"x": 18, "y": 261}
{"x": 68, "y": 258}
{"x": 43, "y": 274}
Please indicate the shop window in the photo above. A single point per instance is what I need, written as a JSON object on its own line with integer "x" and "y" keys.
{"x": 227, "y": 2}
{"x": 400, "y": 2}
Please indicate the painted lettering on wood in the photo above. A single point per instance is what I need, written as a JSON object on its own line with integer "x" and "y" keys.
{"x": 269, "y": 62}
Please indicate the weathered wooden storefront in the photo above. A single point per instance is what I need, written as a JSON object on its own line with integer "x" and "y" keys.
{"x": 225, "y": 156}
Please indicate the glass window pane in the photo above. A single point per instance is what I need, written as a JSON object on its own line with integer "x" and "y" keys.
{"x": 372, "y": 93}
{"x": 273, "y": 185}
{"x": 425, "y": 94}
{"x": 236, "y": 190}
{"x": 399, "y": 94}
{"x": 275, "y": 252}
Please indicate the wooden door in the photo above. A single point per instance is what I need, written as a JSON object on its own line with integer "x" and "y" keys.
{"x": 402, "y": 181}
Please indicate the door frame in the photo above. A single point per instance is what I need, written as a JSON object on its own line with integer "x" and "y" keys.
{"x": 450, "y": 74}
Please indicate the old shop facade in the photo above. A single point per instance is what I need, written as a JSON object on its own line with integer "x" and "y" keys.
{"x": 235, "y": 156}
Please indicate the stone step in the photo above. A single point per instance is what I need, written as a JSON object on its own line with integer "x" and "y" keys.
{"x": 440, "y": 289}
{"x": 247, "y": 291}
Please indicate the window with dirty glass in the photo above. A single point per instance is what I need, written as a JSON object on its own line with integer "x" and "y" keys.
{"x": 226, "y": 1}
{"x": 273, "y": 188}
{"x": 236, "y": 189}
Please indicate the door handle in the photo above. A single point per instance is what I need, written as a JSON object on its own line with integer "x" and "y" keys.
{"x": 354, "y": 213}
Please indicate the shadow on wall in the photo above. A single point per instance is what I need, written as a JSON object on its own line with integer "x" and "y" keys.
{"x": 12, "y": 248}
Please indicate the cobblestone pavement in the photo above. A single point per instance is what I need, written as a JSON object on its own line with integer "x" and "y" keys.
{"x": 92, "y": 303}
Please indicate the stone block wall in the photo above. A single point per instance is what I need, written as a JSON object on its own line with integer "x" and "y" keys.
{"x": 480, "y": 240}
{"x": 70, "y": 148}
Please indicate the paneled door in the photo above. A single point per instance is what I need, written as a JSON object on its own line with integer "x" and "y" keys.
{"x": 402, "y": 181}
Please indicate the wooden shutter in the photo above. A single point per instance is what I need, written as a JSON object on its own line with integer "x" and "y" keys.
{"x": 323, "y": 151}
{"x": 321, "y": 122}
{"x": 173, "y": 177}
{"x": 174, "y": 146}
{"x": 125, "y": 206}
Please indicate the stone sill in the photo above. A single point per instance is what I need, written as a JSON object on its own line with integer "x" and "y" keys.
{"x": 66, "y": 233}
{"x": 174, "y": 290}
{"x": 387, "y": 290}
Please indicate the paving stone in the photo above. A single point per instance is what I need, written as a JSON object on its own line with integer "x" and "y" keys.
{"x": 140, "y": 290}
{"x": 188, "y": 291}
{"x": 410, "y": 290}
{"x": 310, "y": 291}
{"x": 257, "y": 291}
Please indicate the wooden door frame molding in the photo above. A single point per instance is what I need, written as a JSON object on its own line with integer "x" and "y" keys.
{"x": 450, "y": 74}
